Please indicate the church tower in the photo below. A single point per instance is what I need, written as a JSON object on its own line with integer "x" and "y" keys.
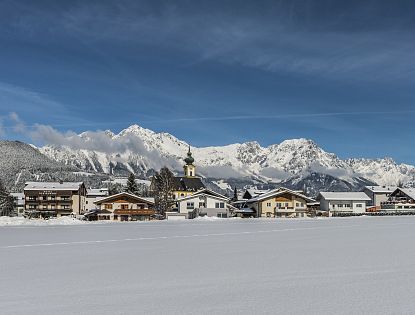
{"x": 189, "y": 167}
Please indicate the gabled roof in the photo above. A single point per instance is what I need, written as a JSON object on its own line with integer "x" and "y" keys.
{"x": 53, "y": 185}
{"x": 210, "y": 192}
{"x": 343, "y": 195}
{"x": 277, "y": 192}
{"x": 187, "y": 184}
{"x": 203, "y": 194}
{"x": 410, "y": 192}
{"x": 381, "y": 189}
{"x": 123, "y": 194}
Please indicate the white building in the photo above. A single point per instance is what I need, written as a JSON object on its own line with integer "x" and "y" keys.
{"x": 203, "y": 203}
{"x": 378, "y": 194}
{"x": 18, "y": 203}
{"x": 343, "y": 202}
{"x": 93, "y": 195}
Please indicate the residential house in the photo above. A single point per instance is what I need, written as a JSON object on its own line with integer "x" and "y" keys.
{"x": 123, "y": 207}
{"x": 378, "y": 194}
{"x": 400, "y": 200}
{"x": 343, "y": 203}
{"x": 54, "y": 198}
{"x": 203, "y": 203}
{"x": 279, "y": 202}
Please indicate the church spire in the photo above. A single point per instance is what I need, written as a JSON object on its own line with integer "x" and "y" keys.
{"x": 189, "y": 167}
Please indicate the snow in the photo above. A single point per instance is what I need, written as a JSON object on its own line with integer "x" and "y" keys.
{"x": 315, "y": 266}
{"x": 14, "y": 221}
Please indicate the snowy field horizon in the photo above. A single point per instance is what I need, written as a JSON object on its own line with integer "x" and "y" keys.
{"x": 325, "y": 266}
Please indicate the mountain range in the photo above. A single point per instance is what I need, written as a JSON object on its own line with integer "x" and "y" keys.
{"x": 296, "y": 163}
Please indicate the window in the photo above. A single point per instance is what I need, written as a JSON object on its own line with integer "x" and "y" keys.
{"x": 108, "y": 206}
{"x": 44, "y": 198}
{"x": 347, "y": 205}
{"x": 32, "y": 207}
{"x": 32, "y": 198}
{"x": 202, "y": 205}
{"x": 65, "y": 198}
{"x": 45, "y": 207}
{"x": 86, "y": 202}
{"x": 359, "y": 205}
{"x": 219, "y": 205}
{"x": 297, "y": 204}
{"x": 279, "y": 205}
{"x": 340, "y": 205}
{"x": 302, "y": 204}
{"x": 222, "y": 215}
{"x": 268, "y": 204}
{"x": 52, "y": 197}
{"x": 286, "y": 204}
{"x": 182, "y": 195}
{"x": 124, "y": 207}
{"x": 190, "y": 205}
{"x": 66, "y": 207}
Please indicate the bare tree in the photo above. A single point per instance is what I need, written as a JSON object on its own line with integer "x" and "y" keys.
{"x": 6, "y": 202}
{"x": 162, "y": 186}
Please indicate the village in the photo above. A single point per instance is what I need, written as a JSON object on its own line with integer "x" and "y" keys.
{"x": 186, "y": 197}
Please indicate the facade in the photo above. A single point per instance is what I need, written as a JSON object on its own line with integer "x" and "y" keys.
{"x": 18, "y": 203}
{"x": 342, "y": 203}
{"x": 189, "y": 183}
{"x": 401, "y": 200}
{"x": 123, "y": 207}
{"x": 93, "y": 195}
{"x": 280, "y": 202}
{"x": 51, "y": 199}
{"x": 204, "y": 203}
{"x": 378, "y": 195}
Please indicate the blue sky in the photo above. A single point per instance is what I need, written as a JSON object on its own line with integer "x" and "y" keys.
{"x": 214, "y": 72}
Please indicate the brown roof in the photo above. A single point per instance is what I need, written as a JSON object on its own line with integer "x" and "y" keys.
{"x": 134, "y": 212}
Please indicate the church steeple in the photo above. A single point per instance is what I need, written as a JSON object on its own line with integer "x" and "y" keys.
{"x": 189, "y": 167}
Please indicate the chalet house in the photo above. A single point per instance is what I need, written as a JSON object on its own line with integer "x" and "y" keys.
{"x": 189, "y": 183}
{"x": 252, "y": 193}
{"x": 51, "y": 199}
{"x": 401, "y": 200}
{"x": 378, "y": 195}
{"x": 204, "y": 203}
{"x": 122, "y": 207}
{"x": 340, "y": 203}
{"x": 280, "y": 202}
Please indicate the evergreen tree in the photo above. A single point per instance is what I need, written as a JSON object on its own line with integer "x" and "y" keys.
{"x": 132, "y": 186}
{"x": 6, "y": 202}
{"x": 235, "y": 195}
{"x": 163, "y": 190}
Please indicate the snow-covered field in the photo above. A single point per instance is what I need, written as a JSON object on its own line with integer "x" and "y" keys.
{"x": 328, "y": 266}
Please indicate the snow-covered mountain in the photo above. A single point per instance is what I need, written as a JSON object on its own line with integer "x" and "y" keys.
{"x": 292, "y": 162}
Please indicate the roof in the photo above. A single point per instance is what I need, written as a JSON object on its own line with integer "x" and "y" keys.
{"x": 99, "y": 192}
{"x": 53, "y": 185}
{"x": 123, "y": 194}
{"x": 410, "y": 192}
{"x": 245, "y": 210}
{"x": 343, "y": 195}
{"x": 277, "y": 192}
{"x": 187, "y": 184}
{"x": 381, "y": 189}
{"x": 204, "y": 194}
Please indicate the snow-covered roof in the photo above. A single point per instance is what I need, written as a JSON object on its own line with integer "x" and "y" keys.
{"x": 277, "y": 192}
{"x": 381, "y": 189}
{"x": 202, "y": 194}
{"x": 123, "y": 194}
{"x": 97, "y": 192}
{"x": 343, "y": 195}
{"x": 53, "y": 185}
{"x": 410, "y": 192}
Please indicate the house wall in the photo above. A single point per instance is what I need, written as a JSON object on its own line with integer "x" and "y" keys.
{"x": 344, "y": 206}
{"x": 281, "y": 204}
{"x": 209, "y": 208}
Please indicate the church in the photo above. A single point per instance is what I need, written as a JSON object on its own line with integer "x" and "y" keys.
{"x": 189, "y": 183}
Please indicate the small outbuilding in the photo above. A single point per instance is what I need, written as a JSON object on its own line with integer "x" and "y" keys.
{"x": 343, "y": 203}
